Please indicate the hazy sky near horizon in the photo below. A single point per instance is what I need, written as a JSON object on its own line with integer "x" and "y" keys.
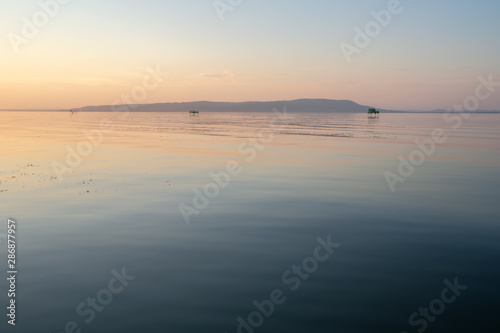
{"x": 92, "y": 52}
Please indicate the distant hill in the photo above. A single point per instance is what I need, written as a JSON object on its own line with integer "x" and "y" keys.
{"x": 299, "y": 105}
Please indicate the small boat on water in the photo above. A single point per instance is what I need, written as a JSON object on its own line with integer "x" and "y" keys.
{"x": 373, "y": 111}
{"x": 194, "y": 112}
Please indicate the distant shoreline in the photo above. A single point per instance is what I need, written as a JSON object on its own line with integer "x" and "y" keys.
{"x": 292, "y": 106}
{"x": 289, "y": 111}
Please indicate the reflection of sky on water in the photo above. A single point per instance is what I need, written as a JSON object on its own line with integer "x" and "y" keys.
{"x": 119, "y": 208}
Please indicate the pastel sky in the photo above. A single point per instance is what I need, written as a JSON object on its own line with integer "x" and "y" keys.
{"x": 91, "y": 52}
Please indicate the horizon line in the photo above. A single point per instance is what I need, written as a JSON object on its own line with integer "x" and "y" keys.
{"x": 229, "y": 102}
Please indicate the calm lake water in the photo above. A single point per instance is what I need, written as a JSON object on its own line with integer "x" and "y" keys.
{"x": 95, "y": 196}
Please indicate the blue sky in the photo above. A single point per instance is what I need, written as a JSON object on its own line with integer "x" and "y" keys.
{"x": 429, "y": 56}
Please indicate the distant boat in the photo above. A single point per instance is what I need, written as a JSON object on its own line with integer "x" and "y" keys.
{"x": 373, "y": 111}
{"x": 194, "y": 112}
